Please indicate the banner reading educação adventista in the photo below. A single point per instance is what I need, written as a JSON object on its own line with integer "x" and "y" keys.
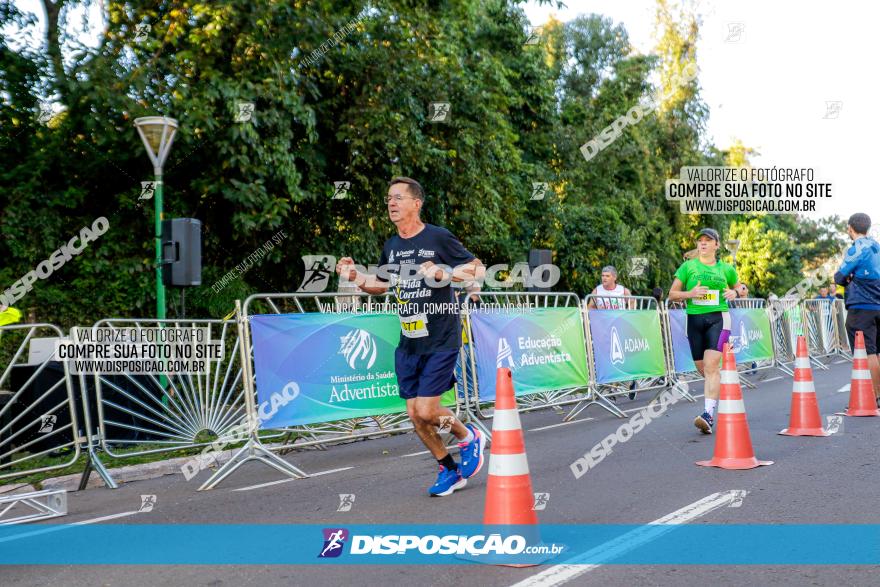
{"x": 543, "y": 347}
{"x": 627, "y": 344}
{"x": 750, "y": 337}
{"x": 334, "y": 366}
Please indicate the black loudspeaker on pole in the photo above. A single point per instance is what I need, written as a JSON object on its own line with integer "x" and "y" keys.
{"x": 538, "y": 257}
{"x": 182, "y": 252}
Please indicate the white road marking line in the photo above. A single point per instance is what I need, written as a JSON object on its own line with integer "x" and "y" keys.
{"x": 558, "y": 425}
{"x": 560, "y": 574}
{"x": 66, "y": 526}
{"x": 279, "y": 482}
{"x": 581, "y": 420}
{"x": 452, "y": 448}
{"x": 415, "y": 454}
{"x": 329, "y": 471}
{"x": 844, "y": 389}
{"x": 101, "y": 519}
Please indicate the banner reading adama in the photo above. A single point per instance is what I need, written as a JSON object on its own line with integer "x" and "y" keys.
{"x": 750, "y": 337}
{"x": 338, "y": 366}
{"x": 627, "y": 344}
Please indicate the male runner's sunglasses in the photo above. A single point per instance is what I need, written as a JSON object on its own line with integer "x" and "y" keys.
{"x": 395, "y": 197}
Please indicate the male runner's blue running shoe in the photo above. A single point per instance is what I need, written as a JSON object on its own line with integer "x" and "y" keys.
{"x": 447, "y": 482}
{"x": 472, "y": 453}
{"x": 704, "y": 422}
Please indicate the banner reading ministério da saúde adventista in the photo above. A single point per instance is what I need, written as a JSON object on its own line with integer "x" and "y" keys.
{"x": 750, "y": 337}
{"x": 627, "y": 344}
{"x": 335, "y": 366}
{"x": 543, "y": 348}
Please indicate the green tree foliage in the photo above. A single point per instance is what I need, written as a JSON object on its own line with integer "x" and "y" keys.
{"x": 341, "y": 93}
{"x": 776, "y": 250}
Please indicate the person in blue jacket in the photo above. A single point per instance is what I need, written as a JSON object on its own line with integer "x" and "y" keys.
{"x": 860, "y": 273}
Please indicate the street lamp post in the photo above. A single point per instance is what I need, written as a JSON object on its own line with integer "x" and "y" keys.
{"x": 157, "y": 134}
{"x": 732, "y": 246}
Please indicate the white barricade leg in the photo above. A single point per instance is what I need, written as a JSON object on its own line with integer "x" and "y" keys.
{"x": 597, "y": 399}
{"x": 253, "y": 450}
{"x": 30, "y": 507}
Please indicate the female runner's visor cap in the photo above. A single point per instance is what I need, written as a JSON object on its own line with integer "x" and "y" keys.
{"x": 711, "y": 233}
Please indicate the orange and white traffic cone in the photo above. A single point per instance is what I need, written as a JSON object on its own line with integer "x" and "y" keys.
{"x": 733, "y": 444}
{"x": 509, "y": 497}
{"x": 805, "y": 419}
{"x": 862, "y": 401}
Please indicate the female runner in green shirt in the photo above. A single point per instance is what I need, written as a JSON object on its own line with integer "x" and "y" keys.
{"x": 707, "y": 285}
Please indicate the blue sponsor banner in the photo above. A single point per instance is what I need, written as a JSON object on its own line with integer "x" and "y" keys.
{"x": 543, "y": 347}
{"x": 279, "y": 544}
{"x": 627, "y": 344}
{"x": 681, "y": 350}
{"x": 750, "y": 337}
{"x": 314, "y": 367}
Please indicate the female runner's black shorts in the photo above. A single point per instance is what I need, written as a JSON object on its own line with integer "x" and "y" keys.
{"x": 707, "y": 332}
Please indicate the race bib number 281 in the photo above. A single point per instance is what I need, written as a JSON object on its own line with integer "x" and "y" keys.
{"x": 710, "y": 298}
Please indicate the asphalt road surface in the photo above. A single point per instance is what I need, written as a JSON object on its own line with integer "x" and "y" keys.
{"x": 830, "y": 480}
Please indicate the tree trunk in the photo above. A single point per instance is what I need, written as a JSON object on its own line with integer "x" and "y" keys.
{"x": 53, "y": 46}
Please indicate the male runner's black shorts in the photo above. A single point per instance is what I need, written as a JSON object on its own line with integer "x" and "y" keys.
{"x": 707, "y": 332}
{"x": 424, "y": 375}
{"x": 868, "y": 321}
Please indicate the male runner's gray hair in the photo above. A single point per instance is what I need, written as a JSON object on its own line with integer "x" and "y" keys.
{"x": 415, "y": 188}
{"x": 610, "y": 269}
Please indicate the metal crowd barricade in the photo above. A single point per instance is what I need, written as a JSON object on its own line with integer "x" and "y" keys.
{"x": 313, "y": 435}
{"x": 605, "y": 393}
{"x": 786, "y": 318}
{"x": 38, "y": 417}
{"x": 843, "y": 346}
{"x": 475, "y": 409}
{"x": 821, "y": 331}
{"x": 140, "y": 414}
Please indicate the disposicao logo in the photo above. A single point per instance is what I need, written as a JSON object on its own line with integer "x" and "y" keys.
{"x": 318, "y": 269}
{"x": 334, "y": 541}
{"x": 469, "y": 545}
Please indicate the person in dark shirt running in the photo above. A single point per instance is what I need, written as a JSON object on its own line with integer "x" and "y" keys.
{"x": 417, "y": 265}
